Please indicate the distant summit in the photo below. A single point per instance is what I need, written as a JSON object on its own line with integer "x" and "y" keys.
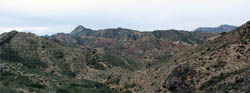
{"x": 80, "y": 29}
{"x": 221, "y": 28}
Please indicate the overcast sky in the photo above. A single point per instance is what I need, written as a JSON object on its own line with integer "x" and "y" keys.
{"x": 53, "y": 16}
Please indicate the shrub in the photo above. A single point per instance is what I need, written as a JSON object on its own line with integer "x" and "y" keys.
{"x": 58, "y": 54}
{"x": 223, "y": 33}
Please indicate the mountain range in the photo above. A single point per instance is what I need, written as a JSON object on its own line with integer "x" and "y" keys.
{"x": 221, "y": 28}
{"x": 124, "y": 61}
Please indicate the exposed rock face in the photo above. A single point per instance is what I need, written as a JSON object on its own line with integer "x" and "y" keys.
{"x": 180, "y": 80}
{"x": 80, "y": 30}
{"x": 5, "y": 38}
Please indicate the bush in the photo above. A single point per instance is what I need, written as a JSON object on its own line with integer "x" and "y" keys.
{"x": 130, "y": 86}
{"x": 223, "y": 33}
{"x": 58, "y": 54}
{"x": 92, "y": 61}
{"x": 65, "y": 70}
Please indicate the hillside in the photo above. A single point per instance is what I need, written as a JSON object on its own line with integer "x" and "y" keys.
{"x": 30, "y": 63}
{"x": 221, "y": 28}
{"x": 148, "y": 47}
{"x": 124, "y": 60}
{"x": 85, "y": 59}
{"x": 221, "y": 65}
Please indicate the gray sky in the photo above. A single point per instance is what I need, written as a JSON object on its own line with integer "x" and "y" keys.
{"x": 53, "y": 16}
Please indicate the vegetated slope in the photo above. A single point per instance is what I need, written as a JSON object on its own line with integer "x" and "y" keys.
{"x": 30, "y": 63}
{"x": 221, "y": 28}
{"x": 221, "y": 65}
{"x": 86, "y": 60}
{"x": 150, "y": 47}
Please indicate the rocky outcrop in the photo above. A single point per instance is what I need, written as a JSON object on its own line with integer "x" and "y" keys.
{"x": 180, "y": 80}
{"x": 7, "y": 37}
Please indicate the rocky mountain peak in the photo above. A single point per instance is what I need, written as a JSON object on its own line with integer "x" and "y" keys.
{"x": 80, "y": 29}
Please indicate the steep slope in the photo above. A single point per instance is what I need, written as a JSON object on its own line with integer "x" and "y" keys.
{"x": 221, "y": 28}
{"x": 30, "y": 63}
{"x": 221, "y": 65}
{"x": 218, "y": 66}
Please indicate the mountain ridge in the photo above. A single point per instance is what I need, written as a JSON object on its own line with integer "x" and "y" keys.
{"x": 36, "y": 64}
{"x": 221, "y": 28}
{"x": 132, "y": 42}
{"x": 219, "y": 65}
